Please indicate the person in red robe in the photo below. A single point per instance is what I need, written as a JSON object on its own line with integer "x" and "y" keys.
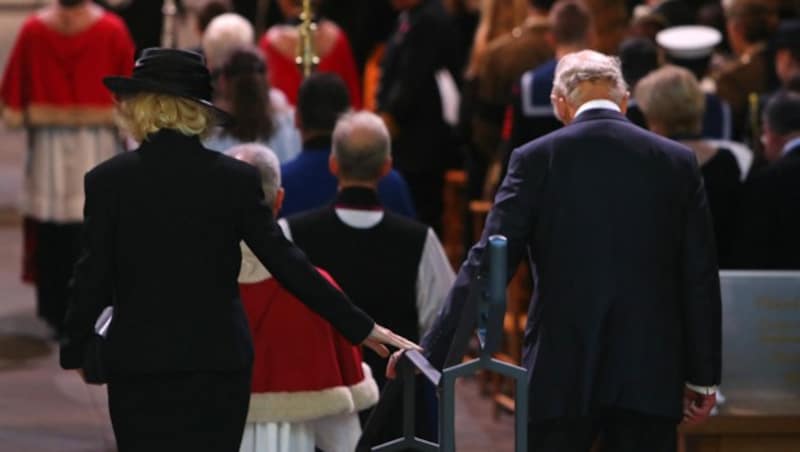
{"x": 308, "y": 382}
{"x": 52, "y": 86}
{"x": 280, "y": 44}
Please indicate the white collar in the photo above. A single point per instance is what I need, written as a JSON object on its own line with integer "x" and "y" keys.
{"x": 359, "y": 219}
{"x": 790, "y": 146}
{"x": 604, "y": 104}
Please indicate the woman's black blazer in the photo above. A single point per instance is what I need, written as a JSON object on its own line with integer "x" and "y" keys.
{"x": 162, "y": 228}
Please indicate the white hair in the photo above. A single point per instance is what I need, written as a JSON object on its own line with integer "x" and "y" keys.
{"x": 267, "y": 164}
{"x": 224, "y": 34}
{"x": 587, "y": 65}
{"x": 361, "y": 145}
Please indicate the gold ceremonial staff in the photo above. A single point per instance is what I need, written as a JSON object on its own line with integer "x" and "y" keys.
{"x": 169, "y": 31}
{"x": 307, "y": 58}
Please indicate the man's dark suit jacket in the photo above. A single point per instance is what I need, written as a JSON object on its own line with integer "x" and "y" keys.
{"x": 163, "y": 226}
{"x": 627, "y": 307}
{"x": 768, "y": 236}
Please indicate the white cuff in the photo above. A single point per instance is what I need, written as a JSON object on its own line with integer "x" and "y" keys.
{"x": 705, "y": 390}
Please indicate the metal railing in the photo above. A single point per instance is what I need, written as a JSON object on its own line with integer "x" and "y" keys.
{"x": 485, "y": 306}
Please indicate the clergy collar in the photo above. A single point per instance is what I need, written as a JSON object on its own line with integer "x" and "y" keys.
{"x": 359, "y": 207}
{"x": 604, "y": 104}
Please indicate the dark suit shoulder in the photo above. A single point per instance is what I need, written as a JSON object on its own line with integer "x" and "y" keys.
{"x": 787, "y": 169}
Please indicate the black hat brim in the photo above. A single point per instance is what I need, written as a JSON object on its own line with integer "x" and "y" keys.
{"x": 125, "y": 86}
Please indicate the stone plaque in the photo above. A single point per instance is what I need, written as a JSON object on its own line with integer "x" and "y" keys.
{"x": 760, "y": 342}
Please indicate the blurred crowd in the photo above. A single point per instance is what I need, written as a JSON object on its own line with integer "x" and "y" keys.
{"x": 461, "y": 83}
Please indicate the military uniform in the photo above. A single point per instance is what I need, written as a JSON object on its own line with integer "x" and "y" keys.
{"x": 506, "y": 59}
{"x": 737, "y": 81}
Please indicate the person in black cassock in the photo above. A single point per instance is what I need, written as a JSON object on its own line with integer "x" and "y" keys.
{"x": 161, "y": 245}
{"x": 409, "y": 100}
{"x": 624, "y": 336}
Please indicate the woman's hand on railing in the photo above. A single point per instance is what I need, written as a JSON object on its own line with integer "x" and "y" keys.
{"x": 380, "y": 336}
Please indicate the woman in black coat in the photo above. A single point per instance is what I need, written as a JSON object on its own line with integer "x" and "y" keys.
{"x": 162, "y": 231}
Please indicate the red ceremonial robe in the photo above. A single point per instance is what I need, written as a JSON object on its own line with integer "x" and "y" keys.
{"x": 303, "y": 369}
{"x": 284, "y": 75}
{"x": 57, "y": 79}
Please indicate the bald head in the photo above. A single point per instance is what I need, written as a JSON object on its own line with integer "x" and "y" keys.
{"x": 361, "y": 148}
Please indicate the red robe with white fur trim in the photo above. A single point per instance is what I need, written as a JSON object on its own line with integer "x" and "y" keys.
{"x": 303, "y": 369}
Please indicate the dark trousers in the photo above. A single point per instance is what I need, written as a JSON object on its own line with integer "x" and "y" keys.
{"x": 427, "y": 191}
{"x": 617, "y": 431}
{"x": 197, "y": 412}
{"x": 57, "y": 249}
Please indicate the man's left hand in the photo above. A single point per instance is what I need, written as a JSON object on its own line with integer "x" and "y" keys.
{"x": 697, "y": 407}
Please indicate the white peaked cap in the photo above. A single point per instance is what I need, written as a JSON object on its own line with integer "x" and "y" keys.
{"x": 689, "y": 41}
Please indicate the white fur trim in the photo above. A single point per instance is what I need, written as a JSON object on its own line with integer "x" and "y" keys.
{"x": 304, "y": 406}
{"x": 251, "y": 271}
{"x": 299, "y": 406}
{"x": 365, "y": 393}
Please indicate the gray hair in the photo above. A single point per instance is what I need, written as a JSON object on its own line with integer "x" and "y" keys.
{"x": 361, "y": 145}
{"x": 587, "y": 65}
{"x": 225, "y": 33}
{"x": 267, "y": 164}
{"x": 672, "y": 97}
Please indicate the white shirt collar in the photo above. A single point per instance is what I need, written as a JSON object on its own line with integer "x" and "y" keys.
{"x": 604, "y": 104}
{"x": 790, "y": 146}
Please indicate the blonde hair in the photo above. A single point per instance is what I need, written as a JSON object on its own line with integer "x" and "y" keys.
{"x": 146, "y": 113}
{"x": 672, "y": 97}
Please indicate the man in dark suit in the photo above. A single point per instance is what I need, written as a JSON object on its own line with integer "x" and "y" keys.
{"x": 623, "y": 336}
{"x": 770, "y": 220}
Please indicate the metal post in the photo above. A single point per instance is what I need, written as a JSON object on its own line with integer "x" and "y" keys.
{"x": 487, "y": 305}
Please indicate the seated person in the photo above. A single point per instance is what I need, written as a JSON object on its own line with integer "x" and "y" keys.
{"x": 258, "y": 116}
{"x": 261, "y": 112}
{"x": 321, "y": 101}
{"x": 308, "y": 382}
{"x": 673, "y": 105}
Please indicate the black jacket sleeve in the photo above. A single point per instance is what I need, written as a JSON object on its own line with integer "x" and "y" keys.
{"x": 701, "y": 294}
{"x": 292, "y": 269}
{"x": 513, "y": 215}
{"x": 92, "y": 283}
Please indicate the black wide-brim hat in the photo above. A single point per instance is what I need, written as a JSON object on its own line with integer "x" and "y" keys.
{"x": 174, "y": 72}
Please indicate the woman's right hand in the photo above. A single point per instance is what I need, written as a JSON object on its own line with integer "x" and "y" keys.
{"x": 380, "y": 337}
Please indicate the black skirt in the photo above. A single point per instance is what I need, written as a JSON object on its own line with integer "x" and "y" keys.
{"x": 204, "y": 411}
